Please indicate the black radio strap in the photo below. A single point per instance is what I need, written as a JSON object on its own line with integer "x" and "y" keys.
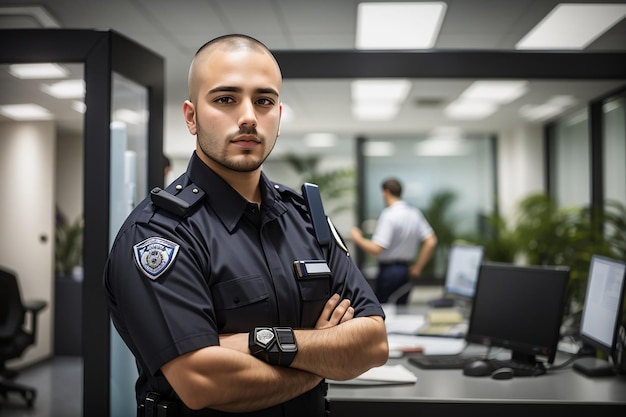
{"x": 313, "y": 199}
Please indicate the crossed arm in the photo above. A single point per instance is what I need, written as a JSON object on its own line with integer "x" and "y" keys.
{"x": 229, "y": 378}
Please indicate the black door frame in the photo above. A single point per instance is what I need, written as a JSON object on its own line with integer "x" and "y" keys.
{"x": 102, "y": 52}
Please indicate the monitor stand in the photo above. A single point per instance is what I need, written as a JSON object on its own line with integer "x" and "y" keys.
{"x": 591, "y": 366}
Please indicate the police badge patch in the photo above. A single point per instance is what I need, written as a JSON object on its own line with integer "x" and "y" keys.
{"x": 154, "y": 255}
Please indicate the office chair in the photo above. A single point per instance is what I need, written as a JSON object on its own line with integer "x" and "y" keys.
{"x": 14, "y": 336}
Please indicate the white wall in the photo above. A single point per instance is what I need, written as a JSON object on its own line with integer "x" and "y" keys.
{"x": 27, "y": 153}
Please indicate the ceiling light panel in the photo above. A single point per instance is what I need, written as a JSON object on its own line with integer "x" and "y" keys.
{"x": 380, "y": 90}
{"x": 501, "y": 92}
{"x": 25, "y": 112}
{"x": 470, "y": 110}
{"x": 398, "y": 25}
{"x": 65, "y": 89}
{"x": 375, "y": 111}
{"x": 572, "y": 26}
{"x": 553, "y": 107}
{"x": 37, "y": 71}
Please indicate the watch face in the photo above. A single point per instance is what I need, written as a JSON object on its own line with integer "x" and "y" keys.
{"x": 264, "y": 337}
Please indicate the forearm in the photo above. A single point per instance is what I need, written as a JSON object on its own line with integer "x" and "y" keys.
{"x": 425, "y": 254}
{"x": 227, "y": 380}
{"x": 344, "y": 351}
{"x": 368, "y": 245}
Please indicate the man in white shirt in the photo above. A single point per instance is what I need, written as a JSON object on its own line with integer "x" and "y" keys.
{"x": 403, "y": 242}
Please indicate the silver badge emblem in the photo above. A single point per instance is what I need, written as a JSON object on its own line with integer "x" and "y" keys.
{"x": 265, "y": 337}
{"x": 155, "y": 255}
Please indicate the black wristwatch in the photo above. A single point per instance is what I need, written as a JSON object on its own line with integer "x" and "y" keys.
{"x": 274, "y": 345}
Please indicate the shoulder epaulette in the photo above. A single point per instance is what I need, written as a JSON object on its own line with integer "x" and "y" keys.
{"x": 179, "y": 204}
{"x": 293, "y": 194}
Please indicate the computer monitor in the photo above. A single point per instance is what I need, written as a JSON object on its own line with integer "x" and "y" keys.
{"x": 461, "y": 275}
{"x": 463, "y": 267}
{"x": 601, "y": 313}
{"x": 519, "y": 308}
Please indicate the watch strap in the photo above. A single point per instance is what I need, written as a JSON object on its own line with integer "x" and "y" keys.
{"x": 274, "y": 345}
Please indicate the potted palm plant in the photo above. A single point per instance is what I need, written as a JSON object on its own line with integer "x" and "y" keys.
{"x": 68, "y": 246}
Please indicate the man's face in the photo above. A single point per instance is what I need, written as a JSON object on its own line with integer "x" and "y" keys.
{"x": 236, "y": 109}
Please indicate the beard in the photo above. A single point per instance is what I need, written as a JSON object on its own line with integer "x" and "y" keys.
{"x": 245, "y": 160}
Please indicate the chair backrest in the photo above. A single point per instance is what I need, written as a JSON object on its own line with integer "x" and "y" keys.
{"x": 11, "y": 308}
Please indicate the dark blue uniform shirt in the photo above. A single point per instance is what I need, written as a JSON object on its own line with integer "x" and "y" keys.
{"x": 175, "y": 281}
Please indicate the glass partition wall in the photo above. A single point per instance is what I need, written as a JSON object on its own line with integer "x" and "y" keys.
{"x": 587, "y": 151}
{"x": 614, "y": 145}
{"x": 450, "y": 179}
{"x": 128, "y": 185}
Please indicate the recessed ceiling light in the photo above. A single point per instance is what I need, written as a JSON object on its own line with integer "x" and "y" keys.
{"x": 380, "y": 90}
{"x": 470, "y": 109}
{"x": 496, "y": 91}
{"x": 375, "y": 111}
{"x": 37, "y": 71}
{"x": 551, "y": 108}
{"x": 378, "y": 99}
{"x": 572, "y": 26}
{"x": 24, "y": 112}
{"x": 65, "y": 89}
{"x": 398, "y": 25}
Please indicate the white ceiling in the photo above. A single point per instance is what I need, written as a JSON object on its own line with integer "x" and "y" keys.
{"x": 175, "y": 29}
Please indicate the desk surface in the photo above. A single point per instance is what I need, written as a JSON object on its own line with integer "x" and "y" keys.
{"x": 449, "y": 392}
{"x": 444, "y": 392}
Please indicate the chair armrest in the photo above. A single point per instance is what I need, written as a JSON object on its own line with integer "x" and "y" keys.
{"x": 35, "y": 306}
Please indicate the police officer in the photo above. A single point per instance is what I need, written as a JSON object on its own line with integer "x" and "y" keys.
{"x": 235, "y": 294}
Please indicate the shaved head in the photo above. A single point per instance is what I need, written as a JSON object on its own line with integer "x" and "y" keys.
{"x": 226, "y": 43}
{"x": 234, "y": 106}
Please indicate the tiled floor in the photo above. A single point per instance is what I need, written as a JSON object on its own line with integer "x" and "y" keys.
{"x": 59, "y": 384}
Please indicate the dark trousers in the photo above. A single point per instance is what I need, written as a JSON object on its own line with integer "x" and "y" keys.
{"x": 391, "y": 276}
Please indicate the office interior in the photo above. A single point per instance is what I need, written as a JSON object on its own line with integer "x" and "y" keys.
{"x": 577, "y": 156}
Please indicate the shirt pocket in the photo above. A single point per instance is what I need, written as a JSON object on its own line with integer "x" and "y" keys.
{"x": 241, "y": 304}
{"x": 314, "y": 292}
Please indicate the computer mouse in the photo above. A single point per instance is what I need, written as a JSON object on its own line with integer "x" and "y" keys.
{"x": 477, "y": 368}
{"x": 503, "y": 373}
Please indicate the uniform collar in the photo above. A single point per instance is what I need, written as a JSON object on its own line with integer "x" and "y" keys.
{"x": 227, "y": 203}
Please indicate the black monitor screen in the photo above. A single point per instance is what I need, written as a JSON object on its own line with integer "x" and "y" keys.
{"x": 519, "y": 308}
{"x": 463, "y": 266}
{"x": 603, "y": 303}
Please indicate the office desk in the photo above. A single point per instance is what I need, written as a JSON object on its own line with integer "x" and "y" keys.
{"x": 450, "y": 393}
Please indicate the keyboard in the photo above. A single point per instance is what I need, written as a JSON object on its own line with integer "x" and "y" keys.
{"x": 442, "y": 361}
